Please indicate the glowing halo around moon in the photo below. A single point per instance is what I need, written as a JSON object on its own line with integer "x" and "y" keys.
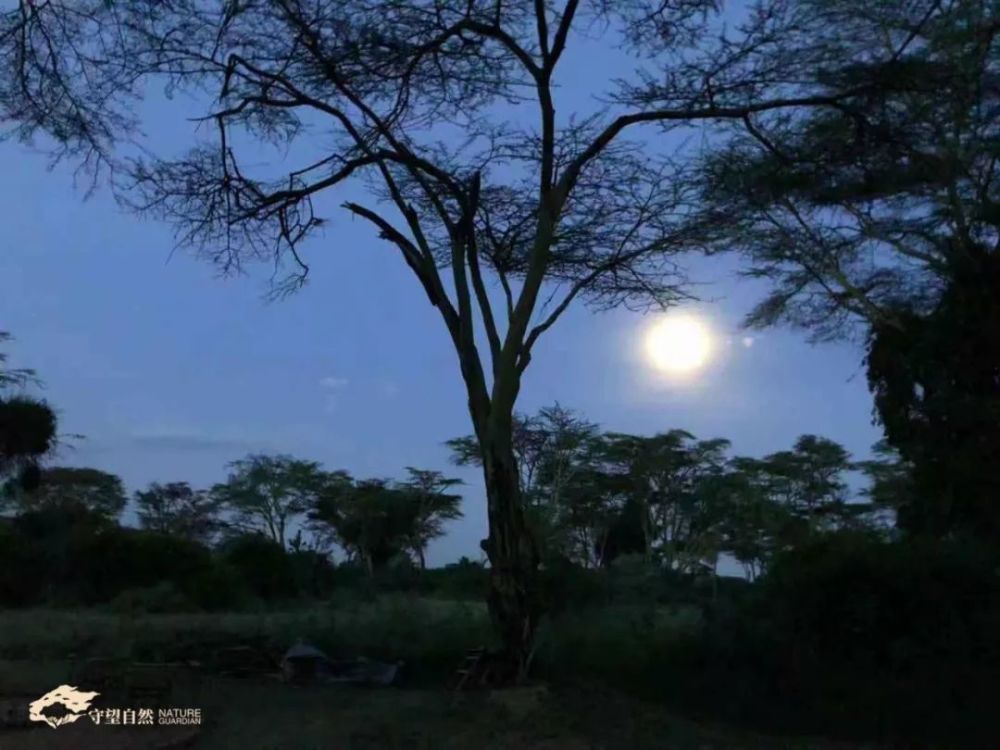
{"x": 679, "y": 344}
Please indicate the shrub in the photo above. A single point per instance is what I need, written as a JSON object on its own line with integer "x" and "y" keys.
{"x": 854, "y": 635}
{"x": 465, "y": 579}
{"x": 894, "y": 605}
{"x": 21, "y": 579}
{"x": 313, "y": 573}
{"x": 161, "y": 598}
{"x": 567, "y": 585}
{"x": 219, "y": 587}
{"x": 264, "y": 566}
{"x": 115, "y": 559}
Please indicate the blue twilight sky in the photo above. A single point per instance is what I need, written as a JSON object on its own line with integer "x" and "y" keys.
{"x": 170, "y": 372}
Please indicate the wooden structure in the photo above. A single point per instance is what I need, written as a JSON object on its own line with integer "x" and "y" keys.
{"x": 483, "y": 669}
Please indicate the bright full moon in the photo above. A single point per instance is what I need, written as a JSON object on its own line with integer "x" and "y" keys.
{"x": 679, "y": 344}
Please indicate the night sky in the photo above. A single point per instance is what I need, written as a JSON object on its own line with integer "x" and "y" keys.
{"x": 170, "y": 372}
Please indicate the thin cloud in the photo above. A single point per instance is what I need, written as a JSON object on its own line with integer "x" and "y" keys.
{"x": 186, "y": 441}
{"x": 333, "y": 383}
{"x": 388, "y": 389}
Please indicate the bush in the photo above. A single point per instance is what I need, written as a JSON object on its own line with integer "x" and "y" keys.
{"x": 264, "y": 566}
{"x": 854, "y": 635}
{"x": 399, "y": 574}
{"x": 72, "y": 556}
{"x": 465, "y": 579}
{"x": 20, "y": 577}
{"x": 218, "y": 588}
{"x": 115, "y": 559}
{"x": 161, "y": 598}
{"x": 313, "y": 573}
{"x": 566, "y": 585}
{"x": 893, "y": 605}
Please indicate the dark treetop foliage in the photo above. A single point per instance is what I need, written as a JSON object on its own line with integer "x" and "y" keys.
{"x": 175, "y": 508}
{"x": 375, "y": 520}
{"x": 27, "y": 428}
{"x": 266, "y": 494}
{"x": 863, "y": 211}
{"x": 64, "y": 487}
{"x": 880, "y": 217}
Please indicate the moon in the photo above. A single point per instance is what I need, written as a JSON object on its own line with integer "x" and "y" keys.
{"x": 679, "y": 344}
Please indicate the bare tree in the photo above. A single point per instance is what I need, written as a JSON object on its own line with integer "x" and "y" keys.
{"x": 404, "y": 95}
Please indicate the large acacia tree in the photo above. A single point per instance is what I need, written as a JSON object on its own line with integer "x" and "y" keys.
{"x": 881, "y": 217}
{"x": 407, "y": 97}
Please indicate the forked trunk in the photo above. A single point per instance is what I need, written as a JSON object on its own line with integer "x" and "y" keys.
{"x": 514, "y": 598}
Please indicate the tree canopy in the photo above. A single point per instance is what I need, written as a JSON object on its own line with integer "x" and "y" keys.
{"x": 27, "y": 428}
{"x": 62, "y": 487}
{"x": 376, "y": 520}
{"x": 858, "y": 212}
{"x": 266, "y": 494}
{"x": 177, "y": 509}
{"x": 878, "y": 219}
{"x": 681, "y": 502}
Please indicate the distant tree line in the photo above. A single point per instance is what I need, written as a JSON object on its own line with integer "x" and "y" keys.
{"x": 676, "y": 502}
{"x": 682, "y": 502}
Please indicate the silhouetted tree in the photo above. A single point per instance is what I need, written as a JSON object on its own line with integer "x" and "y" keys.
{"x": 625, "y": 533}
{"x": 778, "y": 502}
{"x": 266, "y": 494}
{"x": 372, "y": 520}
{"x": 406, "y": 92}
{"x": 563, "y": 506}
{"x": 752, "y": 522}
{"x": 879, "y": 218}
{"x": 809, "y": 481}
{"x": 177, "y": 509}
{"x": 661, "y": 475}
{"x": 891, "y": 489}
{"x": 65, "y": 487}
{"x": 936, "y": 381}
{"x": 433, "y": 506}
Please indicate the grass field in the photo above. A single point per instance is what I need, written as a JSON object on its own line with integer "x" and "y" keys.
{"x": 38, "y": 649}
{"x": 419, "y": 630}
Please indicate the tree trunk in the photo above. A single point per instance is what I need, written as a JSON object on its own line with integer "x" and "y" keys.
{"x": 514, "y": 598}
{"x": 647, "y": 533}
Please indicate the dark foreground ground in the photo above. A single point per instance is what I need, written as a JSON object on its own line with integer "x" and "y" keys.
{"x": 265, "y": 714}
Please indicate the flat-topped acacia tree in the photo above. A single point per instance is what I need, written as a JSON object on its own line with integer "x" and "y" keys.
{"x": 408, "y": 97}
